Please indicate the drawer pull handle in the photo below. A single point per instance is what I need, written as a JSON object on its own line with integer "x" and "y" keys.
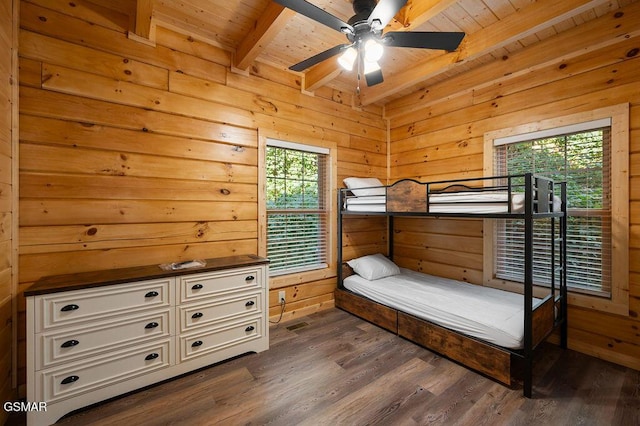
{"x": 69, "y": 379}
{"x": 196, "y": 343}
{"x": 69, "y": 344}
{"x": 196, "y": 287}
{"x": 151, "y": 294}
{"x": 250, "y": 278}
{"x": 68, "y": 308}
{"x": 151, "y": 356}
{"x": 250, "y": 303}
{"x": 151, "y": 325}
{"x": 250, "y": 328}
{"x": 197, "y": 315}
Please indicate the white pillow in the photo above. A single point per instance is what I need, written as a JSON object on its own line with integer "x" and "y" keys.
{"x": 364, "y": 186}
{"x": 374, "y": 266}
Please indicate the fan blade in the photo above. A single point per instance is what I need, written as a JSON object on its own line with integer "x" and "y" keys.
{"x": 384, "y": 12}
{"x": 423, "y": 40}
{"x": 308, "y": 63}
{"x": 319, "y": 15}
{"x": 374, "y": 77}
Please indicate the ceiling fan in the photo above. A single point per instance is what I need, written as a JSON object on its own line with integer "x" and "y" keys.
{"x": 364, "y": 32}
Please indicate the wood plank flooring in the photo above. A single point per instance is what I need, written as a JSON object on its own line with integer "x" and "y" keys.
{"x": 332, "y": 368}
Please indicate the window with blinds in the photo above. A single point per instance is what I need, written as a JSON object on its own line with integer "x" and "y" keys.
{"x": 297, "y": 207}
{"x": 582, "y": 159}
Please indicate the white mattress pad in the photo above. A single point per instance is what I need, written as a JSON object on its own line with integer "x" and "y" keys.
{"x": 488, "y": 314}
{"x": 454, "y": 202}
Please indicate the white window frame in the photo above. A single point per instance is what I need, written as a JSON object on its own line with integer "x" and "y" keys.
{"x": 619, "y": 119}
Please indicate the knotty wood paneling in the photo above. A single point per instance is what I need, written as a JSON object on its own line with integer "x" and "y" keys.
{"x": 8, "y": 138}
{"x": 133, "y": 154}
{"x": 439, "y": 137}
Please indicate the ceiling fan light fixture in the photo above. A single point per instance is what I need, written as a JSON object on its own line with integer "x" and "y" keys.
{"x": 373, "y": 51}
{"x": 371, "y": 66}
{"x": 348, "y": 58}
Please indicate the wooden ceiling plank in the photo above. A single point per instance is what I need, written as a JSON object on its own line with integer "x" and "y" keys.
{"x": 535, "y": 17}
{"x": 271, "y": 22}
{"x": 597, "y": 34}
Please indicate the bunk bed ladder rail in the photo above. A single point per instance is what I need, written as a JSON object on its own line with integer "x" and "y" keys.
{"x": 539, "y": 196}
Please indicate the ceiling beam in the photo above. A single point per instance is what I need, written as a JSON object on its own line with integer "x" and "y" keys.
{"x": 321, "y": 74}
{"x": 417, "y": 12}
{"x": 525, "y": 22}
{"x": 271, "y": 22}
{"x": 145, "y": 29}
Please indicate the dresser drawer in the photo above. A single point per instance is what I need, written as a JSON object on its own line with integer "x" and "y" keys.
{"x": 210, "y": 340}
{"x": 218, "y": 310}
{"x": 199, "y": 286}
{"x": 76, "y": 307}
{"x": 69, "y": 380}
{"x": 74, "y": 343}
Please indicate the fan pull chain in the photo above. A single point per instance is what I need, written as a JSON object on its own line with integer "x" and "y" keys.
{"x": 359, "y": 73}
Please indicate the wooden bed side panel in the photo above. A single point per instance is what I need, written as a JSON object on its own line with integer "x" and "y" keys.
{"x": 486, "y": 359}
{"x": 376, "y": 313}
{"x": 543, "y": 321}
{"x": 407, "y": 196}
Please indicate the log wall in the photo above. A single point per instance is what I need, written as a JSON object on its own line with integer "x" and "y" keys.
{"x": 8, "y": 142}
{"x": 437, "y": 133}
{"x": 133, "y": 154}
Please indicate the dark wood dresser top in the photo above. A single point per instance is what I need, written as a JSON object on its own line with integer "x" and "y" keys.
{"x": 82, "y": 280}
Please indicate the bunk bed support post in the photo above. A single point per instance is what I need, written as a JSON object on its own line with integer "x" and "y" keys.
{"x": 563, "y": 260}
{"x": 390, "y": 236}
{"x": 339, "y": 254}
{"x": 528, "y": 285}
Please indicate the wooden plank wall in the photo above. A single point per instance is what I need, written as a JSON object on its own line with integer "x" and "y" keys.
{"x": 437, "y": 133}
{"x": 133, "y": 154}
{"x": 8, "y": 102}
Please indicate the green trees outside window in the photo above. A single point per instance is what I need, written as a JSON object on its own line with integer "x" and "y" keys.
{"x": 582, "y": 160}
{"x": 296, "y": 210}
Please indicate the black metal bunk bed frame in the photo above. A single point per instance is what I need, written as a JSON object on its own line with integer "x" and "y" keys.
{"x": 535, "y": 188}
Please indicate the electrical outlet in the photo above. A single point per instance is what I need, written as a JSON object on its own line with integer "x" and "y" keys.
{"x": 281, "y": 296}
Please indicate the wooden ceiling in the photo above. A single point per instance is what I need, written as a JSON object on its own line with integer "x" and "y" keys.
{"x": 263, "y": 31}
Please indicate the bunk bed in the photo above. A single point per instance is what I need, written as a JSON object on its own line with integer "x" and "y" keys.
{"x": 399, "y": 300}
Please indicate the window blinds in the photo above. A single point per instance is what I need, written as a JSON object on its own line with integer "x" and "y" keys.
{"x": 582, "y": 160}
{"x": 297, "y": 209}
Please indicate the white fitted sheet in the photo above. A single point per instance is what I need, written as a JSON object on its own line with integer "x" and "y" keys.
{"x": 488, "y": 314}
{"x": 453, "y": 202}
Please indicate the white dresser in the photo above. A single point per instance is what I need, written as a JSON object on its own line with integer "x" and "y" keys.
{"x": 92, "y": 336}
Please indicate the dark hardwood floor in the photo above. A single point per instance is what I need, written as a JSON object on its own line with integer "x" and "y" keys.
{"x": 332, "y": 368}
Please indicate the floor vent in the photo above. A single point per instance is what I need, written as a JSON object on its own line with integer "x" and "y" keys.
{"x": 297, "y": 326}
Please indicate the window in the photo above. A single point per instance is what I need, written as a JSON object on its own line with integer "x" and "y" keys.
{"x": 580, "y": 158}
{"x": 590, "y": 152}
{"x": 297, "y": 204}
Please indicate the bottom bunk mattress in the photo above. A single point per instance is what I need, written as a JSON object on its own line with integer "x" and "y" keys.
{"x": 491, "y": 315}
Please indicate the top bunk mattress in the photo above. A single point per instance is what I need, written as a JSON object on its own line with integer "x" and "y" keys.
{"x": 488, "y": 314}
{"x": 458, "y": 202}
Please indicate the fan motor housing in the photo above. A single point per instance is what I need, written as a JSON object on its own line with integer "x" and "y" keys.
{"x": 360, "y": 21}
{"x": 364, "y": 7}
